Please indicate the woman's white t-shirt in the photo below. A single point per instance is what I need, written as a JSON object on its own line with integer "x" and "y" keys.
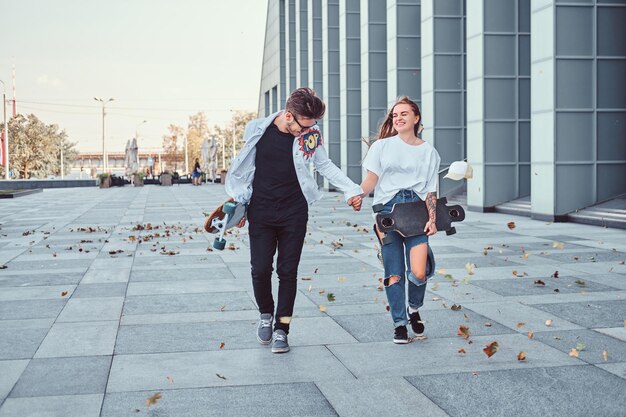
{"x": 400, "y": 166}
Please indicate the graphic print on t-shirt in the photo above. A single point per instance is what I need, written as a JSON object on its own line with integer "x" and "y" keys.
{"x": 309, "y": 141}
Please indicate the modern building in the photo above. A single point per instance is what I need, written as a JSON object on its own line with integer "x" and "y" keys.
{"x": 531, "y": 92}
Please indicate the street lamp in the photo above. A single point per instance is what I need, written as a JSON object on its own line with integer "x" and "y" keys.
{"x": 5, "y": 152}
{"x": 104, "y": 159}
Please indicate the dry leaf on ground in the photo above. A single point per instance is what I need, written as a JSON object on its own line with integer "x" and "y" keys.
{"x": 491, "y": 349}
{"x": 463, "y": 331}
{"x": 153, "y": 399}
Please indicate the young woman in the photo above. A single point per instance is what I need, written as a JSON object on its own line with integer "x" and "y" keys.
{"x": 401, "y": 167}
{"x": 196, "y": 176}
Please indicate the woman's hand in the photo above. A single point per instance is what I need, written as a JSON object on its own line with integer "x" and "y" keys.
{"x": 430, "y": 228}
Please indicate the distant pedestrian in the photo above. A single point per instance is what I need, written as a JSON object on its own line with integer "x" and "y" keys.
{"x": 196, "y": 176}
{"x": 272, "y": 174}
{"x": 401, "y": 167}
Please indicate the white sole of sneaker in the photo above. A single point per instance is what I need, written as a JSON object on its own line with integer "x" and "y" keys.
{"x": 281, "y": 350}
{"x": 263, "y": 342}
{"x": 401, "y": 341}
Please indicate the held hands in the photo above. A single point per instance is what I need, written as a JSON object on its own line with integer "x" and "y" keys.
{"x": 355, "y": 202}
{"x": 430, "y": 228}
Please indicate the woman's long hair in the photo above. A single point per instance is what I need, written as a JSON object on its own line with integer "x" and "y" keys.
{"x": 386, "y": 127}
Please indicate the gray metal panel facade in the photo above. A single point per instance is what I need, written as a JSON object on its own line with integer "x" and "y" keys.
{"x": 482, "y": 76}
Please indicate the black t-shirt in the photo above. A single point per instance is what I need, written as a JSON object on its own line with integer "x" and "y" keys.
{"x": 275, "y": 179}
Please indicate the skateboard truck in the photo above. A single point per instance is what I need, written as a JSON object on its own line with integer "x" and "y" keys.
{"x": 220, "y": 224}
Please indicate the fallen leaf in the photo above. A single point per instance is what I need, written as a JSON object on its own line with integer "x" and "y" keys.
{"x": 342, "y": 279}
{"x": 470, "y": 268}
{"x": 491, "y": 349}
{"x": 222, "y": 344}
{"x": 540, "y": 283}
{"x": 573, "y": 353}
{"x": 511, "y": 225}
{"x": 322, "y": 291}
{"x": 463, "y": 331}
{"x": 488, "y": 324}
{"x": 442, "y": 271}
{"x": 222, "y": 307}
{"x": 455, "y": 307}
{"x": 521, "y": 356}
{"x": 461, "y": 351}
{"x": 170, "y": 379}
{"x": 434, "y": 286}
{"x": 330, "y": 296}
{"x": 580, "y": 282}
{"x": 153, "y": 400}
{"x": 63, "y": 293}
{"x": 549, "y": 323}
{"x": 322, "y": 308}
{"x": 531, "y": 334}
{"x": 306, "y": 278}
{"x": 558, "y": 245}
{"x": 605, "y": 356}
{"x": 580, "y": 346}
{"x": 220, "y": 376}
{"x": 520, "y": 325}
{"x": 555, "y": 274}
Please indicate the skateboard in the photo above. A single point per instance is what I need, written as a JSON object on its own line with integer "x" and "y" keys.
{"x": 409, "y": 219}
{"x": 223, "y": 218}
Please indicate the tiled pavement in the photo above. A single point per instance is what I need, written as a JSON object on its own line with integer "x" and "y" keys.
{"x": 96, "y": 317}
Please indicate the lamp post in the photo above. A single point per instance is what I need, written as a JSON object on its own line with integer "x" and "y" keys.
{"x": 104, "y": 158}
{"x": 6, "y": 132}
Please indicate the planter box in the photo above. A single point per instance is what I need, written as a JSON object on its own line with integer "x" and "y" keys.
{"x": 137, "y": 181}
{"x": 223, "y": 176}
{"x": 166, "y": 179}
{"x": 105, "y": 182}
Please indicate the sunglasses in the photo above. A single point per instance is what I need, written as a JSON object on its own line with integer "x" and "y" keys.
{"x": 303, "y": 127}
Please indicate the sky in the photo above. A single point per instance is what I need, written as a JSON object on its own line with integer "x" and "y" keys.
{"x": 160, "y": 60}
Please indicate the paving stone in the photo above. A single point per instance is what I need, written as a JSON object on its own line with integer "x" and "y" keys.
{"x": 92, "y": 309}
{"x": 50, "y": 265}
{"x": 79, "y": 339}
{"x": 189, "y": 274}
{"x": 35, "y": 293}
{"x": 583, "y": 257}
{"x": 20, "y": 343}
{"x": 239, "y": 367}
{"x": 189, "y": 337}
{"x": 592, "y": 342}
{"x": 63, "y": 405}
{"x": 462, "y": 293}
{"x": 617, "y": 332}
{"x": 10, "y": 371}
{"x": 63, "y": 376}
{"x": 527, "y": 286}
{"x": 440, "y": 356}
{"x": 187, "y": 303}
{"x": 100, "y": 290}
{"x": 187, "y": 286}
{"x": 526, "y": 392}
{"x": 363, "y": 397}
{"x": 30, "y": 309}
{"x": 512, "y": 313}
{"x": 618, "y": 369}
{"x": 99, "y": 276}
{"x": 611, "y": 280}
{"x": 591, "y": 315}
{"x": 555, "y": 298}
{"x": 342, "y": 294}
{"x": 442, "y": 323}
{"x": 272, "y": 400}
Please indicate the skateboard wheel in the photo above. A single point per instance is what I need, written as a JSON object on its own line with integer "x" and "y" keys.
{"x": 219, "y": 244}
{"x": 378, "y": 208}
{"x": 387, "y": 240}
{"x": 454, "y": 213}
{"x": 451, "y": 231}
{"x": 229, "y": 208}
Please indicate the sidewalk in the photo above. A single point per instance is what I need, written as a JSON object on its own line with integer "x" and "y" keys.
{"x": 96, "y": 316}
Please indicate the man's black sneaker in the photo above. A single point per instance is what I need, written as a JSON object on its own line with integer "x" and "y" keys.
{"x": 400, "y": 335}
{"x": 416, "y": 323}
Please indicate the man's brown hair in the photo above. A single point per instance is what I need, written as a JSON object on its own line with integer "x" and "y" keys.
{"x": 305, "y": 103}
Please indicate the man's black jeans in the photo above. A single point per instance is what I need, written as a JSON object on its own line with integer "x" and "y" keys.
{"x": 275, "y": 226}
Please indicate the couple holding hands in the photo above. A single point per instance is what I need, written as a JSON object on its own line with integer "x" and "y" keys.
{"x": 272, "y": 175}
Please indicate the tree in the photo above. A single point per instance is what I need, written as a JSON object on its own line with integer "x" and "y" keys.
{"x": 35, "y": 148}
{"x": 232, "y": 133}
{"x": 197, "y": 131}
{"x": 172, "y": 157}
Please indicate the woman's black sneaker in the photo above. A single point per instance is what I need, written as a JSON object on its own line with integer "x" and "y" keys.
{"x": 400, "y": 335}
{"x": 416, "y": 323}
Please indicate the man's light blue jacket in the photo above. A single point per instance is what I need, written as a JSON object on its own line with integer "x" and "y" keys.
{"x": 241, "y": 174}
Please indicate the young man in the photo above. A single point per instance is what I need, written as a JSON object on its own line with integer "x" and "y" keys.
{"x": 272, "y": 174}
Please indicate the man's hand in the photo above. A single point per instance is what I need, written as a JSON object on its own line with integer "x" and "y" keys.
{"x": 355, "y": 202}
{"x": 430, "y": 228}
{"x": 242, "y": 223}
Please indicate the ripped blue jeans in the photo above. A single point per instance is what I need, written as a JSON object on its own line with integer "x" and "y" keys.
{"x": 397, "y": 262}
